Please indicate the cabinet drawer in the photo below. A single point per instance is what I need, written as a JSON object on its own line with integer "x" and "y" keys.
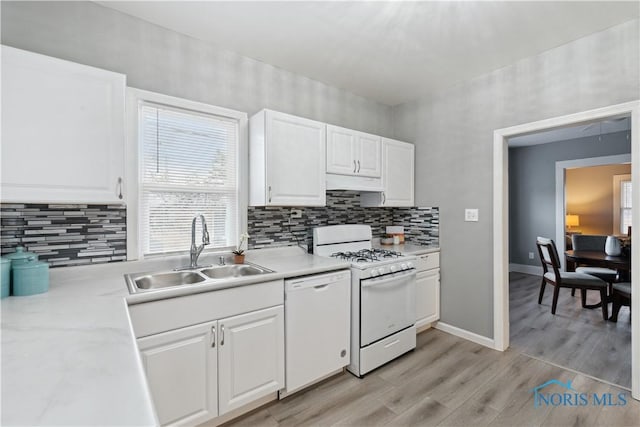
{"x": 427, "y": 261}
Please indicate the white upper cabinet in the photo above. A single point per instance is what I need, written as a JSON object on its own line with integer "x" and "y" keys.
{"x": 286, "y": 160}
{"x": 368, "y": 161}
{"x": 397, "y": 176}
{"x": 62, "y": 130}
{"x": 351, "y": 152}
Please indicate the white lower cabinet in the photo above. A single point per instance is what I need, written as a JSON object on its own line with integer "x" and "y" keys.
{"x": 250, "y": 357}
{"x": 427, "y": 289}
{"x": 182, "y": 372}
{"x": 206, "y": 355}
{"x": 203, "y": 371}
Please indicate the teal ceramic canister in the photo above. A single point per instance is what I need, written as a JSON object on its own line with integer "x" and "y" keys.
{"x": 5, "y": 277}
{"x": 20, "y": 256}
{"x": 30, "y": 278}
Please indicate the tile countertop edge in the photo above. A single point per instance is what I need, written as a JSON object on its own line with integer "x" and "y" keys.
{"x": 67, "y": 352}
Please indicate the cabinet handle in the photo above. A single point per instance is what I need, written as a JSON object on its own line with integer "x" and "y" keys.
{"x": 222, "y": 335}
{"x": 120, "y": 187}
{"x": 354, "y": 166}
{"x": 213, "y": 336}
{"x": 358, "y": 166}
{"x": 269, "y": 194}
{"x": 384, "y": 198}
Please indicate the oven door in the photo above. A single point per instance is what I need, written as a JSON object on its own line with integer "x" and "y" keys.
{"x": 387, "y": 305}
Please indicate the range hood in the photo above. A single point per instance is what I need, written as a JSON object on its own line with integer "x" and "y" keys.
{"x": 356, "y": 183}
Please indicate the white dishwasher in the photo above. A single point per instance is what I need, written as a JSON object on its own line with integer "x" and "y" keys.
{"x": 317, "y": 327}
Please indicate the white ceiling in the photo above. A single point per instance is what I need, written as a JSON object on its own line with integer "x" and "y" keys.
{"x": 579, "y": 131}
{"x": 392, "y": 51}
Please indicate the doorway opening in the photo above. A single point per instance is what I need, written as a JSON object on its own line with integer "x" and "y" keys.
{"x": 501, "y": 218}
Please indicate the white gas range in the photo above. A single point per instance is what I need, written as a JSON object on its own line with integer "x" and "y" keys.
{"x": 382, "y": 295}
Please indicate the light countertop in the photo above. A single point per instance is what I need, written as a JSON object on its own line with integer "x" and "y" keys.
{"x": 69, "y": 355}
{"x": 407, "y": 248}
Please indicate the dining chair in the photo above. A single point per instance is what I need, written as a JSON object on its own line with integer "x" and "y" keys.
{"x": 587, "y": 242}
{"x": 564, "y": 279}
{"x": 621, "y": 296}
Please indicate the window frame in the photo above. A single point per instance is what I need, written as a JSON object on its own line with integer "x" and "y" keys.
{"x": 133, "y": 163}
{"x": 617, "y": 203}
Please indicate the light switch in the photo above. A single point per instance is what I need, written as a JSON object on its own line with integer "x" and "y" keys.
{"x": 471, "y": 215}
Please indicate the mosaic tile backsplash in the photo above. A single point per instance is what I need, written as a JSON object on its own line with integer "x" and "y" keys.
{"x": 65, "y": 235}
{"x": 268, "y": 226}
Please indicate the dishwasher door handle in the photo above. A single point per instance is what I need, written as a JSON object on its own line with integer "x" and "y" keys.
{"x": 321, "y": 287}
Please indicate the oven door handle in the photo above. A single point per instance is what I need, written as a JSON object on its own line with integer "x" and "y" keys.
{"x": 392, "y": 278}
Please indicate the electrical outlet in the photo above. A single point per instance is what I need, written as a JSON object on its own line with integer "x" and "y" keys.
{"x": 530, "y": 255}
{"x": 296, "y": 213}
{"x": 471, "y": 215}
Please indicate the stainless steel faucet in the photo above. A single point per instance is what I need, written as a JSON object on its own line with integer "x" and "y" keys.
{"x": 195, "y": 251}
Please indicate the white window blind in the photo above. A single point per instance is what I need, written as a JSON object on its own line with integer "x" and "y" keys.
{"x": 189, "y": 167}
{"x": 625, "y": 206}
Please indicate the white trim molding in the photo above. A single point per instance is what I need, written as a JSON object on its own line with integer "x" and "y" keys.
{"x": 132, "y": 159}
{"x": 463, "y": 333}
{"x": 501, "y": 215}
{"x": 535, "y": 270}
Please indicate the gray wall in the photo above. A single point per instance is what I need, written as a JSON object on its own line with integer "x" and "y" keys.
{"x": 453, "y": 132}
{"x": 160, "y": 60}
{"x": 532, "y": 187}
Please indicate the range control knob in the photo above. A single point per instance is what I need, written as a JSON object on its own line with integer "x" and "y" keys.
{"x": 392, "y": 269}
{"x": 374, "y": 272}
{"x": 409, "y": 265}
{"x": 404, "y": 266}
{"x": 382, "y": 271}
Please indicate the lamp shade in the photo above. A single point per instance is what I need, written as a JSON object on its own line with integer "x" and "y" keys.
{"x": 572, "y": 220}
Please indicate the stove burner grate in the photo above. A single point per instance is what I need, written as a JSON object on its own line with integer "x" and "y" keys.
{"x": 367, "y": 255}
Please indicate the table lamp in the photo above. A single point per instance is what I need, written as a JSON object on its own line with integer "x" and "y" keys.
{"x": 572, "y": 221}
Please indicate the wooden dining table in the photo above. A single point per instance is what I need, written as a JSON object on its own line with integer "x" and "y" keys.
{"x": 621, "y": 263}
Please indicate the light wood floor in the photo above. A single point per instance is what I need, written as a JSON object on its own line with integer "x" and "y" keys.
{"x": 575, "y": 337}
{"x": 446, "y": 381}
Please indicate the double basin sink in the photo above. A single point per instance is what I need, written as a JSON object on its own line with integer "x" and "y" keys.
{"x": 141, "y": 282}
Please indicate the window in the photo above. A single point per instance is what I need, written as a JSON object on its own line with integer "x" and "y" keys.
{"x": 625, "y": 206}
{"x": 621, "y": 203}
{"x": 188, "y": 162}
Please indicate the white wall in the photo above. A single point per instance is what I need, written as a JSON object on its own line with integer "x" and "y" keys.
{"x": 453, "y": 131}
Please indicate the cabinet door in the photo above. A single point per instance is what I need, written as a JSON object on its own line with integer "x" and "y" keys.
{"x": 251, "y": 357}
{"x": 181, "y": 369}
{"x": 62, "y": 130}
{"x": 341, "y": 156}
{"x": 398, "y": 177}
{"x": 427, "y": 297}
{"x": 368, "y": 159}
{"x": 295, "y": 161}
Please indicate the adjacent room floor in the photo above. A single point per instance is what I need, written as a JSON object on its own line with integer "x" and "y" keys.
{"x": 575, "y": 338}
{"x": 446, "y": 381}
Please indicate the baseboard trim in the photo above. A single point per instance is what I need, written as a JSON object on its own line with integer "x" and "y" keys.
{"x": 526, "y": 269}
{"x": 463, "y": 333}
